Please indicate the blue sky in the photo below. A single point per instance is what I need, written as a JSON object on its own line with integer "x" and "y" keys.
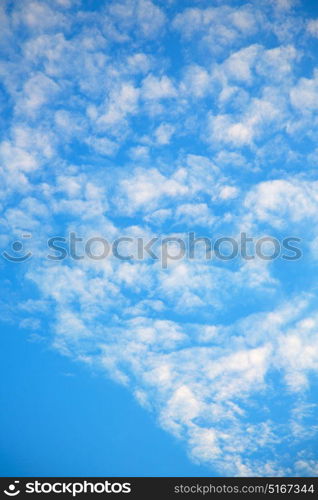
{"x": 143, "y": 119}
{"x": 68, "y": 422}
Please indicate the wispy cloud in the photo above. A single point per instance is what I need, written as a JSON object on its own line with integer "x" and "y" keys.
{"x": 146, "y": 118}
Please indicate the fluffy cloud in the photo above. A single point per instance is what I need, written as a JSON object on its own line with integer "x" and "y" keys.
{"x": 108, "y": 132}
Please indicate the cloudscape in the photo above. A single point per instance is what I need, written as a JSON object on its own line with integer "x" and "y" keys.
{"x": 159, "y": 209}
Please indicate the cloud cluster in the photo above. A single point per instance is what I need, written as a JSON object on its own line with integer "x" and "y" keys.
{"x": 143, "y": 118}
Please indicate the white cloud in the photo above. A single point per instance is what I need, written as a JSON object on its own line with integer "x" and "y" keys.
{"x": 143, "y": 15}
{"x": 139, "y": 153}
{"x": 146, "y": 188}
{"x": 217, "y": 26}
{"x": 312, "y": 27}
{"x": 238, "y": 65}
{"x": 121, "y": 103}
{"x": 304, "y": 95}
{"x": 197, "y": 81}
{"x": 37, "y": 91}
{"x": 157, "y": 88}
{"x": 38, "y": 16}
{"x": 310, "y": 468}
{"x": 281, "y": 202}
{"x": 103, "y": 145}
{"x": 195, "y": 213}
{"x": 228, "y": 192}
{"x": 139, "y": 63}
{"x": 223, "y": 129}
{"x": 183, "y": 339}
